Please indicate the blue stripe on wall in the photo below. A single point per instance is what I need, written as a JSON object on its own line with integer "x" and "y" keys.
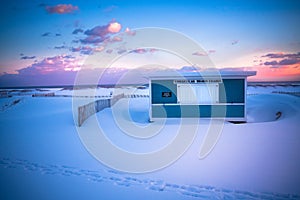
{"x": 177, "y": 111}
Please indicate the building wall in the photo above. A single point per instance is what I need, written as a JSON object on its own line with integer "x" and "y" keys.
{"x": 231, "y": 91}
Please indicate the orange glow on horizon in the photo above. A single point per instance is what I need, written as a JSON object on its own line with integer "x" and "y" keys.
{"x": 284, "y": 73}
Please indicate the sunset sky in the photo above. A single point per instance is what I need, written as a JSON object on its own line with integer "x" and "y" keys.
{"x": 48, "y": 42}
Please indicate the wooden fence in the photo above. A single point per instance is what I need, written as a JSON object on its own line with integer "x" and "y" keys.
{"x": 89, "y": 109}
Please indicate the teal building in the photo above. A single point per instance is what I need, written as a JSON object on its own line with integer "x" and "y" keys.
{"x": 208, "y": 94}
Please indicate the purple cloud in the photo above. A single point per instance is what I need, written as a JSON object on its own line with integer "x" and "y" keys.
{"x": 62, "y": 77}
{"x": 121, "y": 51}
{"x": 69, "y": 56}
{"x": 75, "y": 41}
{"x": 211, "y": 51}
{"x": 139, "y": 51}
{"x": 100, "y": 31}
{"x": 282, "y": 59}
{"x": 46, "y": 34}
{"x": 85, "y": 50}
{"x": 198, "y": 53}
{"x": 50, "y": 65}
{"x": 55, "y": 78}
{"x": 98, "y": 34}
{"x": 61, "y": 47}
{"x": 109, "y": 51}
{"x": 143, "y": 50}
{"x": 92, "y": 40}
{"x": 78, "y": 30}
{"x": 282, "y": 55}
{"x": 290, "y": 61}
{"x": 274, "y": 62}
{"x": 61, "y": 9}
{"x": 189, "y": 69}
{"x": 75, "y": 49}
{"x": 234, "y": 42}
{"x": 283, "y": 62}
{"x": 27, "y": 57}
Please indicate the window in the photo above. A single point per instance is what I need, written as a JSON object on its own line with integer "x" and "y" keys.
{"x": 198, "y": 93}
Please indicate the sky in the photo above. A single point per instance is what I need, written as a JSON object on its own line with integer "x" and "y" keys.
{"x": 50, "y": 42}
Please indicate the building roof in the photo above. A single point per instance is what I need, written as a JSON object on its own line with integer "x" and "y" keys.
{"x": 201, "y": 74}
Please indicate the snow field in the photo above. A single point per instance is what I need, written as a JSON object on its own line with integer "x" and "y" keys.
{"x": 42, "y": 157}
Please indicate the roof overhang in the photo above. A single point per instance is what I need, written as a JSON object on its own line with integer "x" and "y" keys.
{"x": 201, "y": 74}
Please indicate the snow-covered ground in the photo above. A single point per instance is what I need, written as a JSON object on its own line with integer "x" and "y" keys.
{"x": 42, "y": 157}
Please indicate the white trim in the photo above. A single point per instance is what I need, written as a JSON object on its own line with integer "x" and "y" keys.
{"x": 150, "y": 101}
{"x": 204, "y": 104}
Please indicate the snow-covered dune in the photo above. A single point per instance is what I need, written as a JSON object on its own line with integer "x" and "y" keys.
{"x": 42, "y": 157}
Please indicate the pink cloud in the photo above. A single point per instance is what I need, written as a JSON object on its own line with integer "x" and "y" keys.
{"x": 117, "y": 39}
{"x": 61, "y": 9}
{"x": 114, "y": 27}
{"x": 99, "y": 33}
{"x": 52, "y": 64}
{"x": 140, "y": 51}
{"x": 129, "y": 32}
{"x": 201, "y": 53}
{"x": 198, "y": 53}
{"x": 152, "y": 50}
{"x": 144, "y": 50}
{"x": 99, "y": 49}
{"x": 211, "y": 51}
{"x": 103, "y": 31}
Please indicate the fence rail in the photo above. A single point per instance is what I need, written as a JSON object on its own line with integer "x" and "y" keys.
{"x": 89, "y": 109}
{"x": 287, "y": 92}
